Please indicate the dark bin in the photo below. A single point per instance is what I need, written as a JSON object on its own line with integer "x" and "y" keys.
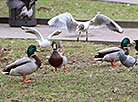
{"x": 15, "y": 21}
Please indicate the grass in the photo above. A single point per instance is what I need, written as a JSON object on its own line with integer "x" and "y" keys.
{"x": 86, "y": 80}
{"x": 85, "y": 9}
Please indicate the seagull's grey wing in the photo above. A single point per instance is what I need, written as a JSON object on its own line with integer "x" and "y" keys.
{"x": 71, "y": 25}
{"x": 15, "y": 4}
{"x": 33, "y": 31}
{"x": 55, "y": 33}
{"x": 64, "y": 20}
{"x": 101, "y": 21}
{"x": 130, "y": 61}
{"x": 59, "y": 21}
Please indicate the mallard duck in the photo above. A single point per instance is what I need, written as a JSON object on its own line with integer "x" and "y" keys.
{"x": 25, "y": 65}
{"x": 136, "y": 45}
{"x": 56, "y": 59}
{"x": 110, "y": 54}
{"x": 127, "y": 61}
{"x": 40, "y": 39}
{"x": 24, "y": 6}
{"x": 66, "y": 21}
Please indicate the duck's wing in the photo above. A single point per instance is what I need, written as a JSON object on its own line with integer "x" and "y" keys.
{"x": 111, "y": 56}
{"x": 64, "y": 20}
{"x": 33, "y": 31}
{"x": 101, "y": 21}
{"x": 15, "y": 4}
{"x": 110, "y": 50}
{"x": 105, "y": 53}
{"x": 17, "y": 63}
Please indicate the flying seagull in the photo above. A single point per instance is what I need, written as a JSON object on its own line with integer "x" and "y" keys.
{"x": 26, "y": 10}
{"x": 66, "y": 21}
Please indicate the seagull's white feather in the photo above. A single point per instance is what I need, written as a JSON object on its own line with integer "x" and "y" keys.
{"x": 101, "y": 21}
{"x": 24, "y": 12}
{"x": 64, "y": 20}
{"x": 40, "y": 39}
{"x": 33, "y": 31}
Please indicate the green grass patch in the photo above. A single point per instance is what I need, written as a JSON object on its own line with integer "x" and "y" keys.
{"x": 85, "y": 9}
{"x": 85, "y": 80}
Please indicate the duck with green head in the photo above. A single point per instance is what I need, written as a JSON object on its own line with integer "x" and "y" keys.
{"x": 25, "y": 65}
{"x": 125, "y": 42}
{"x": 56, "y": 59}
{"x": 110, "y": 54}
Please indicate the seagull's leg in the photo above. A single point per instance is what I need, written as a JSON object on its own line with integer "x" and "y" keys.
{"x": 86, "y": 35}
{"x": 78, "y": 36}
{"x": 55, "y": 69}
{"x": 24, "y": 79}
{"x": 65, "y": 69}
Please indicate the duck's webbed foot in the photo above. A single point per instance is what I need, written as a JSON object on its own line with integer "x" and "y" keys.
{"x": 65, "y": 69}
{"x": 113, "y": 63}
{"x": 24, "y": 79}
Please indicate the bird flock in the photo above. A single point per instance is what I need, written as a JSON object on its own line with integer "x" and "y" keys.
{"x": 32, "y": 62}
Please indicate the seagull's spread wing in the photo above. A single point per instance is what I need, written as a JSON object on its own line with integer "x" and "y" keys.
{"x": 64, "y": 20}
{"x": 55, "y": 33}
{"x": 33, "y": 31}
{"x": 101, "y": 21}
{"x": 15, "y": 4}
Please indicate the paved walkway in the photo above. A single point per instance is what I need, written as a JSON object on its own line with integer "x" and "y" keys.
{"x": 124, "y": 1}
{"x": 102, "y": 34}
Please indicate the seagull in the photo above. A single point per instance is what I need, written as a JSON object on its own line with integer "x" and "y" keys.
{"x": 40, "y": 39}
{"x": 26, "y": 8}
{"x": 66, "y": 21}
{"x": 127, "y": 61}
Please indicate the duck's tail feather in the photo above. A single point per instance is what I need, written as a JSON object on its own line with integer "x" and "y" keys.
{"x": 98, "y": 59}
{"x": 7, "y": 73}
